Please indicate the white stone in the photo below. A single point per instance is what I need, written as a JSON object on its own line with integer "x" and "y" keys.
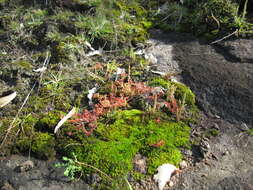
{"x": 183, "y": 164}
{"x": 164, "y": 173}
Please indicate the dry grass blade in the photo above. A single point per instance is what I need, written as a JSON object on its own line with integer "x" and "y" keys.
{"x": 7, "y": 99}
{"x": 64, "y": 119}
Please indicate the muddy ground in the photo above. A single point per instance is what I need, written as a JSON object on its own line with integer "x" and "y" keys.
{"x": 221, "y": 75}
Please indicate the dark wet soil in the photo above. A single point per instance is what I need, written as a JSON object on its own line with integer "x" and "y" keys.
{"x": 43, "y": 176}
{"x": 221, "y": 76}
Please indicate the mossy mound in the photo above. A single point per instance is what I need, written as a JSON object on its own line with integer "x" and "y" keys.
{"x": 40, "y": 144}
{"x": 113, "y": 146}
{"x": 29, "y": 139}
{"x": 181, "y": 90}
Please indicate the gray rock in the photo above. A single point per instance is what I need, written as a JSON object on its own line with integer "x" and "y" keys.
{"x": 25, "y": 166}
{"x": 140, "y": 163}
{"x": 238, "y": 50}
{"x": 43, "y": 176}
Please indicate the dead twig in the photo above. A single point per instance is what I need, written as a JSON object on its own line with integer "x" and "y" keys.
{"x": 90, "y": 166}
{"x": 215, "y": 19}
{"x": 225, "y": 37}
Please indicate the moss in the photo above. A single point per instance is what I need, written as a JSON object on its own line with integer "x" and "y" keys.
{"x": 24, "y": 64}
{"x": 250, "y": 132}
{"x": 5, "y": 123}
{"x": 43, "y": 145}
{"x": 181, "y": 90}
{"x": 61, "y": 31}
{"x": 211, "y": 18}
{"x": 159, "y": 82}
{"x": 184, "y": 90}
{"x": 113, "y": 146}
{"x": 52, "y": 96}
{"x": 158, "y": 157}
{"x": 40, "y": 143}
{"x": 48, "y": 121}
{"x": 211, "y": 132}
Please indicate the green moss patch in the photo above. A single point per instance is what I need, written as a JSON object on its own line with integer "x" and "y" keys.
{"x": 113, "y": 146}
{"x": 250, "y": 132}
{"x": 181, "y": 90}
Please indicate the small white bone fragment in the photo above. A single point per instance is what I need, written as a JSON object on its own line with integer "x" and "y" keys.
{"x": 119, "y": 71}
{"x": 171, "y": 183}
{"x": 40, "y": 70}
{"x": 64, "y": 119}
{"x": 90, "y": 94}
{"x": 95, "y": 52}
{"x": 139, "y": 52}
{"x": 7, "y": 99}
{"x": 89, "y": 46}
{"x": 164, "y": 173}
{"x": 158, "y": 72}
{"x": 151, "y": 58}
{"x": 183, "y": 164}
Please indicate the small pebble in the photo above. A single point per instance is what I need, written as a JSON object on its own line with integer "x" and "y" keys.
{"x": 183, "y": 164}
{"x": 217, "y": 116}
{"x": 216, "y": 126}
{"x": 187, "y": 152}
{"x": 225, "y": 153}
{"x": 25, "y": 166}
{"x": 140, "y": 163}
{"x": 7, "y": 186}
{"x": 171, "y": 184}
{"x": 244, "y": 127}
